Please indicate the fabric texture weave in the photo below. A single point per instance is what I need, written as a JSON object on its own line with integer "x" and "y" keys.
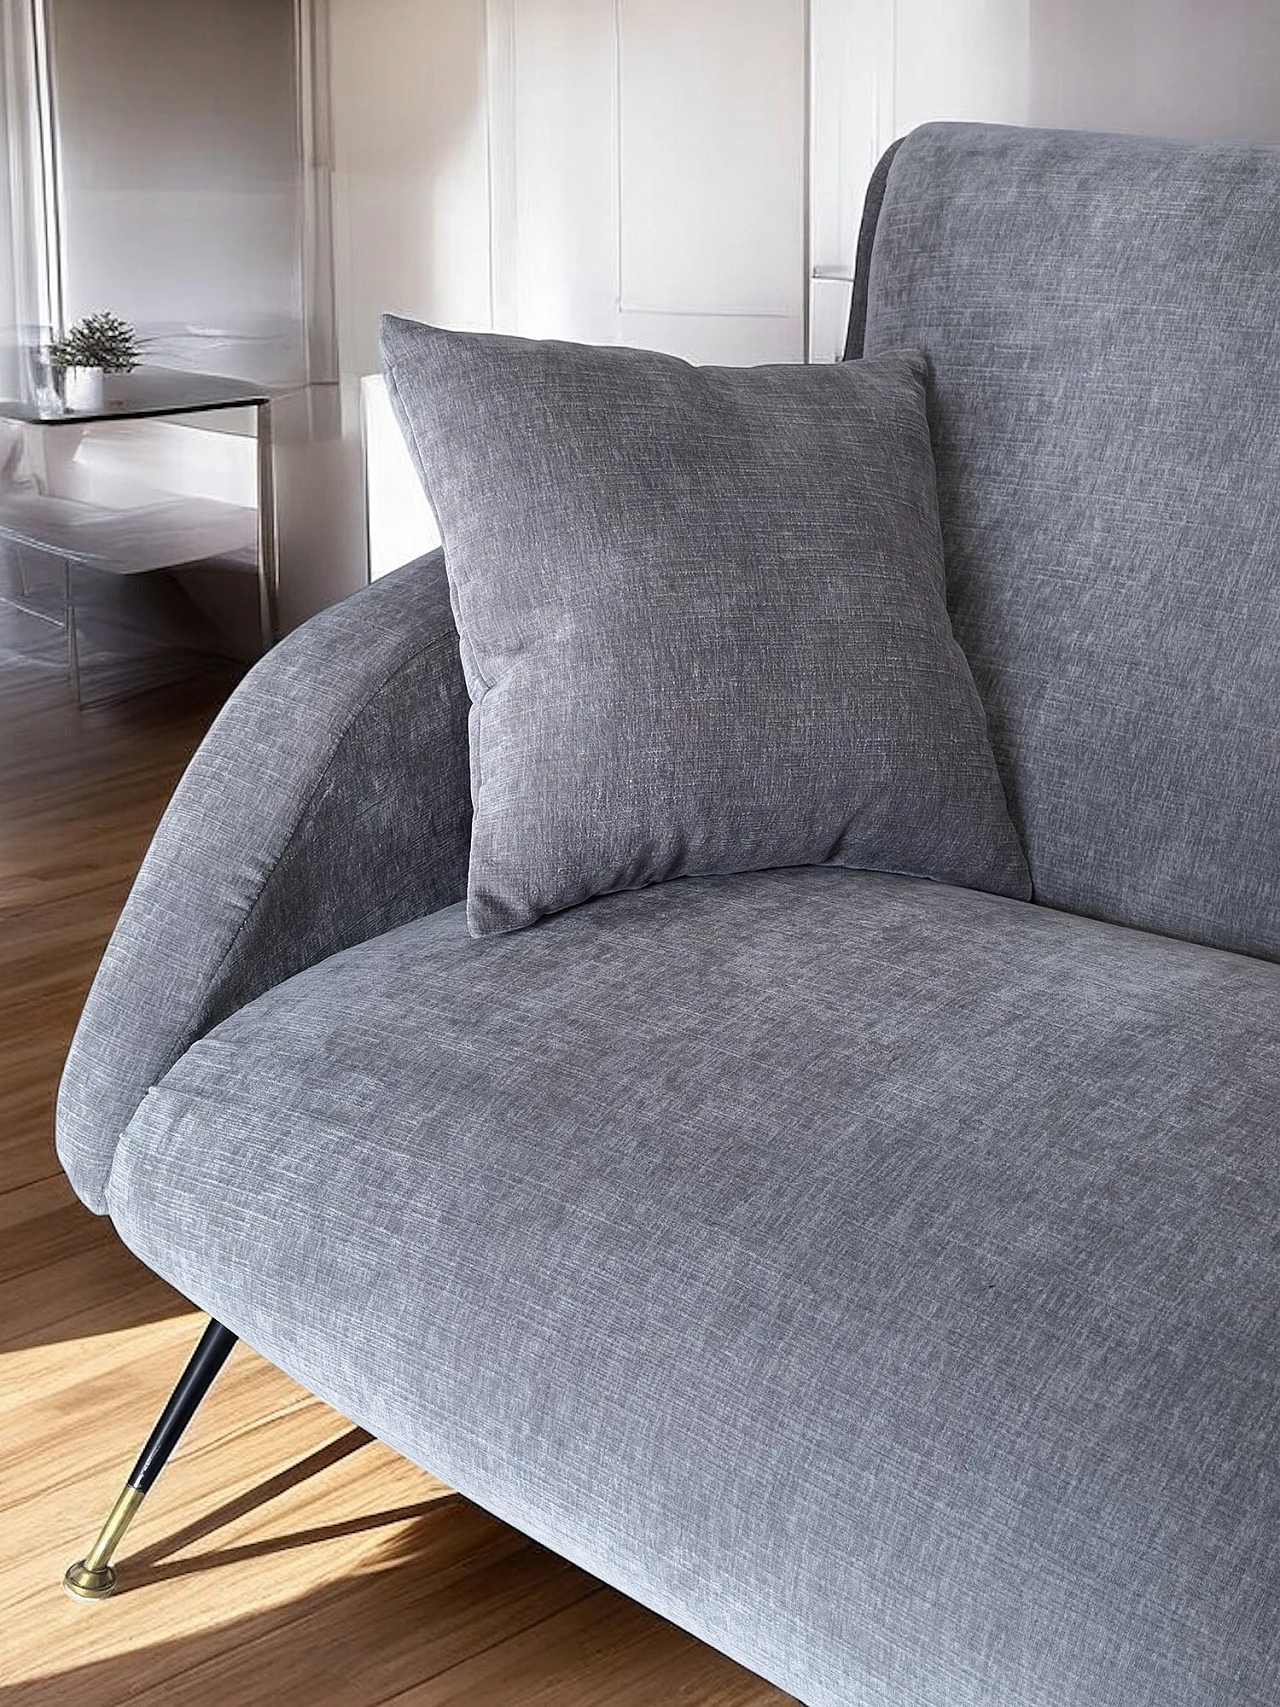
{"x": 702, "y": 617}
{"x": 876, "y": 1277}
{"x": 328, "y": 803}
{"x": 1100, "y": 319}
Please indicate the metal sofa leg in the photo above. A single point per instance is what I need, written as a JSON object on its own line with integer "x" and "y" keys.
{"x": 94, "y": 1576}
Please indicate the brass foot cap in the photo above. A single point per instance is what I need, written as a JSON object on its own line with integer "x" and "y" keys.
{"x": 83, "y": 1584}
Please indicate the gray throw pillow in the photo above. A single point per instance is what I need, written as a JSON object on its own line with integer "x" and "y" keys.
{"x": 702, "y": 617}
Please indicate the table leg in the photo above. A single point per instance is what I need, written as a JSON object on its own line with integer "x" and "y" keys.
{"x": 69, "y": 617}
{"x": 268, "y": 543}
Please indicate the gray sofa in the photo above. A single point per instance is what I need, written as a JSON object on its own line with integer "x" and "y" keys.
{"x": 876, "y": 1277}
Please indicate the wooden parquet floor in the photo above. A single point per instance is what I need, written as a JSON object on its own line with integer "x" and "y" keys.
{"x": 284, "y": 1557}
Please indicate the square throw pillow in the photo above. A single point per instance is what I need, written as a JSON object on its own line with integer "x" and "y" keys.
{"x": 702, "y": 618}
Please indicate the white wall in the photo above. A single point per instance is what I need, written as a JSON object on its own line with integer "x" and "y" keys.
{"x": 594, "y": 168}
{"x": 181, "y": 181}
{"x": 881, "y": 67}
{"x": 23, "y": 291}
{"x": 960, "y": 59}
{"x": 650, "y": 173}
{"x": 195, "y": 201}
{"x": 10, "y": 385}
{"x": 1192, "y": 68}
{"x": 411, "y": 225}
{"x": 628, "y": 171}
{"x": 410, "y": 168}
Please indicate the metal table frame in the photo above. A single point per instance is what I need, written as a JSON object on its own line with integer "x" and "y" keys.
{"x": 154, "y": 392}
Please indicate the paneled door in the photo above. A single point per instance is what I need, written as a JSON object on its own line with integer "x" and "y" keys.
{"x": 646, "y": 186}
{"x": 647, "y": 173}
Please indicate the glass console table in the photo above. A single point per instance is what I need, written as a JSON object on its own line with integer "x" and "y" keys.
{"x": 169, "y": 533}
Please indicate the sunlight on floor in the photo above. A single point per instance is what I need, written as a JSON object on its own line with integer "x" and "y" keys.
{"x": 268, "y": 1479}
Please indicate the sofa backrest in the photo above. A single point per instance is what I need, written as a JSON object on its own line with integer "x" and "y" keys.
{"x": 1102, "y": 317}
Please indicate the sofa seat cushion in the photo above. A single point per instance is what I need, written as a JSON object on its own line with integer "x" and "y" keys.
{"x": 877, "y": 1278}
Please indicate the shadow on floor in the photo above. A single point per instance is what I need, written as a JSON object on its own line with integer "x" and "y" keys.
{"x": 156, "y": 1563}
{"x": 450, "y": 1584}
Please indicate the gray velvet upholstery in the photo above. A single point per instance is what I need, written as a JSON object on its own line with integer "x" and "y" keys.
{"x": 1100, "y": 315}
{"x": 876, "y": 1277}
{"x": 329, "y": 802}
{"x": 703, "y": 619}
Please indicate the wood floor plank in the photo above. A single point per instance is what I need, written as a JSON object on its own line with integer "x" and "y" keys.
{"x": 284, "y": 1557}
{"x": 603, "y": 1651}
{"x": 48, "y": 1194}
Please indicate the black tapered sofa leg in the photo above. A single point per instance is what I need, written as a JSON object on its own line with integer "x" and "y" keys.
{"x": 94, "y": 1576}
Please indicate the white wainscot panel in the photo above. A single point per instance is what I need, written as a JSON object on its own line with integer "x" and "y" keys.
{"x": 961, "y": 59}
{"x": 711, "y": 173}
{"x": 648, "y": 161}
{"x": 850, "y": 125}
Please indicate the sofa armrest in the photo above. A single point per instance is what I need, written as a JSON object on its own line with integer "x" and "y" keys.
{"x": 330, "y": 801}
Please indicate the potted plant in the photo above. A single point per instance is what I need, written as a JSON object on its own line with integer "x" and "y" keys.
{"x": 94, "y": 347}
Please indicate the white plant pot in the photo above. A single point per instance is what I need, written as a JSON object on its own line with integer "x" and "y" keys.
{"x": 83, "y": 388}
